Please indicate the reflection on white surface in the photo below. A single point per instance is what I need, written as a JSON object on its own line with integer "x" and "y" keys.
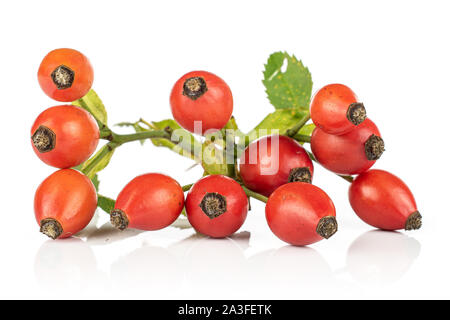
{"x": 106, "y": 234}
{"x": 381, "y": 257}
{"x": 220, "y": 263}
{"x": 215, "y": 268}
{"x": 69, "y": 264}
{"x": 295, "y": 266}
{"x": 149, "y": 267}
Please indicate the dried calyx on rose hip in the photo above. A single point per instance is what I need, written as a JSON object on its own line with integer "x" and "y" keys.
{"x": 65, "y": 75}
{"x": 203, "y": 99}
{"x": 272, "y": 161}
{"x": 148, "y": 202}
{"x": 64, "y": 203}
{"x": 64, "y": 136}
{"x": 350, "y": 153}
{"x": 384, "y": 201}
{"x": 336, "y": 110}
{"x": 300, "y": 213}
{"x": 216, "y": 206}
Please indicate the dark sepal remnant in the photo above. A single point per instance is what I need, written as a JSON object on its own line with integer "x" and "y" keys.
{"x": 63, "y": 77}
{"x": 119, "y": 219}
{"x": 194, "y": 88}
{"x": 51, "y": 228}
{"x": 374, "y": 147}
{"x": 356, "y": 113}
{"x": 213, "y": 204}
{"x": 301, "y": 174}
{"x": 44, "y": 139}
{"x": 327, "y": 227}
{"x": 414, "y": 221}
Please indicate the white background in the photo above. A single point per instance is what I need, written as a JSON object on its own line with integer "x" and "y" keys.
{"x": 394, "y": 54}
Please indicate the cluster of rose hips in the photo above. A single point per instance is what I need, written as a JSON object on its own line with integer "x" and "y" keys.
{"x": 344, "y": 141}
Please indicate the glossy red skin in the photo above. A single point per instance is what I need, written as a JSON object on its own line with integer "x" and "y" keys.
{"x": 75, "y": 60}
{"x": 344, "y": 154}
{"x": 69, "y": 197}
{"x": 227, "y": 223}
{"x": 151, "y": 201}
{"x": 329, "y": 108}
{"x": 77, "y": 135}
{"x": 294, "y": 210}
{"x": 382, "y": 200}
{"x": 290, "y": 155}
{"x": 214, "y": 108}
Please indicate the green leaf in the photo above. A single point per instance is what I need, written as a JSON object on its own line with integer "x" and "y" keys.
{"x": 187, "y": 144}
{"x": 161, "y": 125}
{"x": 92, "y": 103}
{"x": 278, "y": 122}
{"x": 214, "y": 161}
{"x": 290, "y": 89}
{"x": 95, "y": 181}
{"x": 98, "y": 162}
{"x": 307, "y": 129}
{"x": 105, "y": 203}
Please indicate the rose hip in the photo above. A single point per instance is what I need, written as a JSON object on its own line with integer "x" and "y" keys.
{"x": 384, "y": 201}
{"x": 300, "y": 213}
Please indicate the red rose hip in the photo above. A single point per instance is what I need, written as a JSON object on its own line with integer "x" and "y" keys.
{"x": 350, "y": 153}
{"x": 300, "y": 213}
{"x": 65, "y": 75}
{"x": 216, "y": 206}
{"x": 203, "y": 97}
{"x": 336, "y": 110}
{"x": 64, "y": 136}
{"x": 148, "y": 202}
{"x": 384, "y": 201}
{"x": 64, "y": 203}
{"x": 273, "y": 161}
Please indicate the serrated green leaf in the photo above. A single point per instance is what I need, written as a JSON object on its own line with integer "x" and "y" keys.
{"x": 290, "y": 89}
{"x": 105, "y": 203}
{"x": 93, "y": 104}
{"x": 277, "y": 122}
{"x": 98, "y": 162}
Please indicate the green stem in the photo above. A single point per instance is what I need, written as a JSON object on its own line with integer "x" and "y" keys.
{"x": 148, "y": 124}
{"x": 117, "y": 140}
{"x": 110, "y": 146}
{"x": 302, "y": 138}
{"x": 295, "y": 129}
{"x": 187, "y": 187}
{"x": 124, "y": 138}
{"x": 184, "y": 148}
{"x": 106, "y": 134}
{"x": 255, "y": 195}
{"x": 347, "y": 178}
